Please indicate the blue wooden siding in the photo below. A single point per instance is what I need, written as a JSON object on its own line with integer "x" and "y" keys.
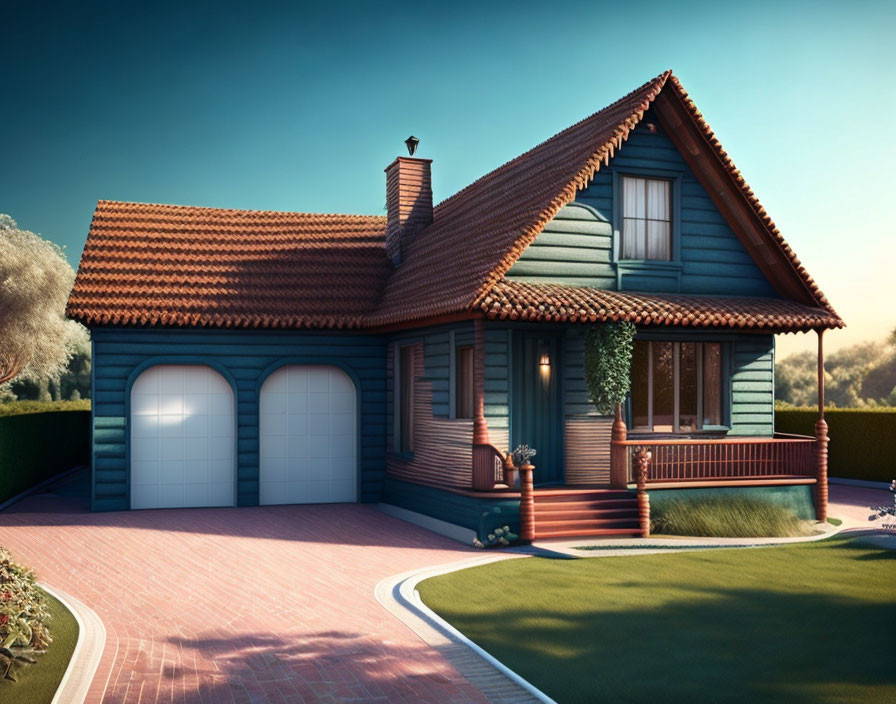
{"x": 753, "y": 386}
{"x": 574, "y": 248}
{"x": 575, "y": 393}
{"x": 480, "y": 515}
{"x": 245, "y": 357}
{"x": 497, "y": 383}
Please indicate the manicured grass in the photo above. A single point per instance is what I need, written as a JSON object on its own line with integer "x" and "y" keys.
{"x": 799, "y": 623}
{"x": 38, "y": 683}
{"x": 727, "y": 516}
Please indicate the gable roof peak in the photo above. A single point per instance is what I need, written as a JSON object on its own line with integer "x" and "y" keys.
{"x": 484, "y": 228}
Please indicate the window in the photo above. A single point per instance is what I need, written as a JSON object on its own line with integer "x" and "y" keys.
{"x": 464, "y": 382}
{"x": 646, "y": 218}
{"x": 676, "y": 386}
{"x": 406, "y": 374}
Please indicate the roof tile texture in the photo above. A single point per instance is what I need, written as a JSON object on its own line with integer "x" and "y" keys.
{"x": 514, "y": 300}
{"x": 188, "y": 266}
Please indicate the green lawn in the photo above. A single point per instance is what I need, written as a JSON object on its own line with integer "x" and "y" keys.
{"x": 38, "y": 683}
{"x": 802, "y": 623}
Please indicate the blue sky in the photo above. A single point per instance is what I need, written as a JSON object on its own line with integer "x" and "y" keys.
{"x": 286, "y": 107}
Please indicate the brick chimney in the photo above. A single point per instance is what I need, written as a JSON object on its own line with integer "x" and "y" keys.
{"x": 408, "y": 202}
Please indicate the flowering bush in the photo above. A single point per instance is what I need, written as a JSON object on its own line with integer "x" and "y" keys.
{"x": 885, "y": 510}
{"x": 500, "y": 536}
{"x": 23, "y": 616}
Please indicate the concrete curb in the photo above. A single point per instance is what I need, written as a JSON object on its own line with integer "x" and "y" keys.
{"x": 612, "y": 547}
{"x": 865, "y": 484}
{"x": 87, "y": 653}
{"x": 501, "y": 685}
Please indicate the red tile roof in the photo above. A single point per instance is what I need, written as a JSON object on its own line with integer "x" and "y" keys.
{"x": 186, "y": 266}
{"x": 514, "y": 300}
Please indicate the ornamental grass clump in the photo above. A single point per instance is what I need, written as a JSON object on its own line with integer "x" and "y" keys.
{"x": 24, "y": 615}
{"x": 726, "y": 516}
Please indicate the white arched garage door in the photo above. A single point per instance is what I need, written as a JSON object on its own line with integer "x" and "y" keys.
{"x": 182, "y": 438}
{"x": 308, "y": 434}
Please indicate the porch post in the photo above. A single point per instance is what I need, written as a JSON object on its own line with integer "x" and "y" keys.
{"x": 483, "y": 469}
{"x": 527, "y": 504}
{"x": 618, "y": 453}
{"x": 480, "y": 426}
{"x": 821, "y": 441}
{"x": 643, "y": 458}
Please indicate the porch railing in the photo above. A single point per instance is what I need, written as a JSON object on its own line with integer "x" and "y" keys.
{"x": 697, "y": 460}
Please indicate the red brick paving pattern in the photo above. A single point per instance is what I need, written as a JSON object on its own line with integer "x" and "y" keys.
{"x": 270, "y": 604}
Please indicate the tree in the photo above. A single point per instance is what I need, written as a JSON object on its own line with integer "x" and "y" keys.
{"x": 36, "y": 339}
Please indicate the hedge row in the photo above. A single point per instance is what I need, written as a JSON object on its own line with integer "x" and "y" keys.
{"x": 36, "y": 446}
{"x": 15, "y": 408}
{"x": 863, "y": 442}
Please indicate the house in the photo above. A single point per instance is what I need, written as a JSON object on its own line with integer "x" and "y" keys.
{"x": 247, "y": 357}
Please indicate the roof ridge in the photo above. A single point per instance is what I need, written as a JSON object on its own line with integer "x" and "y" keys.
{"x": 177, "y": 206}
{"x": 662, "y": 78}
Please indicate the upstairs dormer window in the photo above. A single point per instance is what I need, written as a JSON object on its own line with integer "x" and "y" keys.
{"x": 646, "y": 218}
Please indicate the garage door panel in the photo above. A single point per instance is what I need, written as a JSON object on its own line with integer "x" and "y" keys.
{"x": 308, "y": 436}
{"x": 182, "y": 438}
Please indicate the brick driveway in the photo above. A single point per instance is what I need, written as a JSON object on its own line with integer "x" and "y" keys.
{"x": 271, "y": 604}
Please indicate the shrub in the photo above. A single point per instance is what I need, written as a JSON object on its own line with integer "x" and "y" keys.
{"x": 727, "y": 516}
{"x": 24, "y": 615}
{"x": 499, "y": 537}
{"x": 863, "y": 442}
{"x": 17, "y": 408}
{"x": 37, "y": 446}
{"x": 608, "y": 364}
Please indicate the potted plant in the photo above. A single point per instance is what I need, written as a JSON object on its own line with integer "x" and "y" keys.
{"x": 522, "y": 456}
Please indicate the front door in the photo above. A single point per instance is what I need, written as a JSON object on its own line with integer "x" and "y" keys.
{"x": 536, "y": 415}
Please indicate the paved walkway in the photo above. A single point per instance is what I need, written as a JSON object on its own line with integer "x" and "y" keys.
{"x": 850, "y": 504}
{"x": 272, "y": 604}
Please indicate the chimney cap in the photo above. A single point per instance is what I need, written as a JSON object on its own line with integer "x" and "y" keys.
{"x": 412, "y": 143}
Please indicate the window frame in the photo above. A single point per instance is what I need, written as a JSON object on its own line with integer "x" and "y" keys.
{"x": 458, "y": 380}
{"x": 399, "y": 404}
{"x": 724, "y": 390}
{"x": 674, "y": 178}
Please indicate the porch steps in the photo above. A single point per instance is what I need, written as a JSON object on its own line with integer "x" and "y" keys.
{"x": 568, "y": 513}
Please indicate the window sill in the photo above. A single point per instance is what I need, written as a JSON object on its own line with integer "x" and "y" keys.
{"x": 645, "y": 264}
{"x": 712, "y": 432}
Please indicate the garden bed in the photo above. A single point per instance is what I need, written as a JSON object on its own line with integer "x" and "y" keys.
{"x": 37, "y": 684}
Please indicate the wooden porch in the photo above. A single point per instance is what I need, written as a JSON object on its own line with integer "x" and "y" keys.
{"x": 639, "y": 464}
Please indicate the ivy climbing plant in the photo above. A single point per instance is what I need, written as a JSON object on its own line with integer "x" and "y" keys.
{"x": 608, "y": 364}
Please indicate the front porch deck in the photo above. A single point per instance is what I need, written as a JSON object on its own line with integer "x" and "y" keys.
{"x": 642, "y": 464}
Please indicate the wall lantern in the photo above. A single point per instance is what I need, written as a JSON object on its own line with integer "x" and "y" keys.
{"x": 544, "y": 360}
